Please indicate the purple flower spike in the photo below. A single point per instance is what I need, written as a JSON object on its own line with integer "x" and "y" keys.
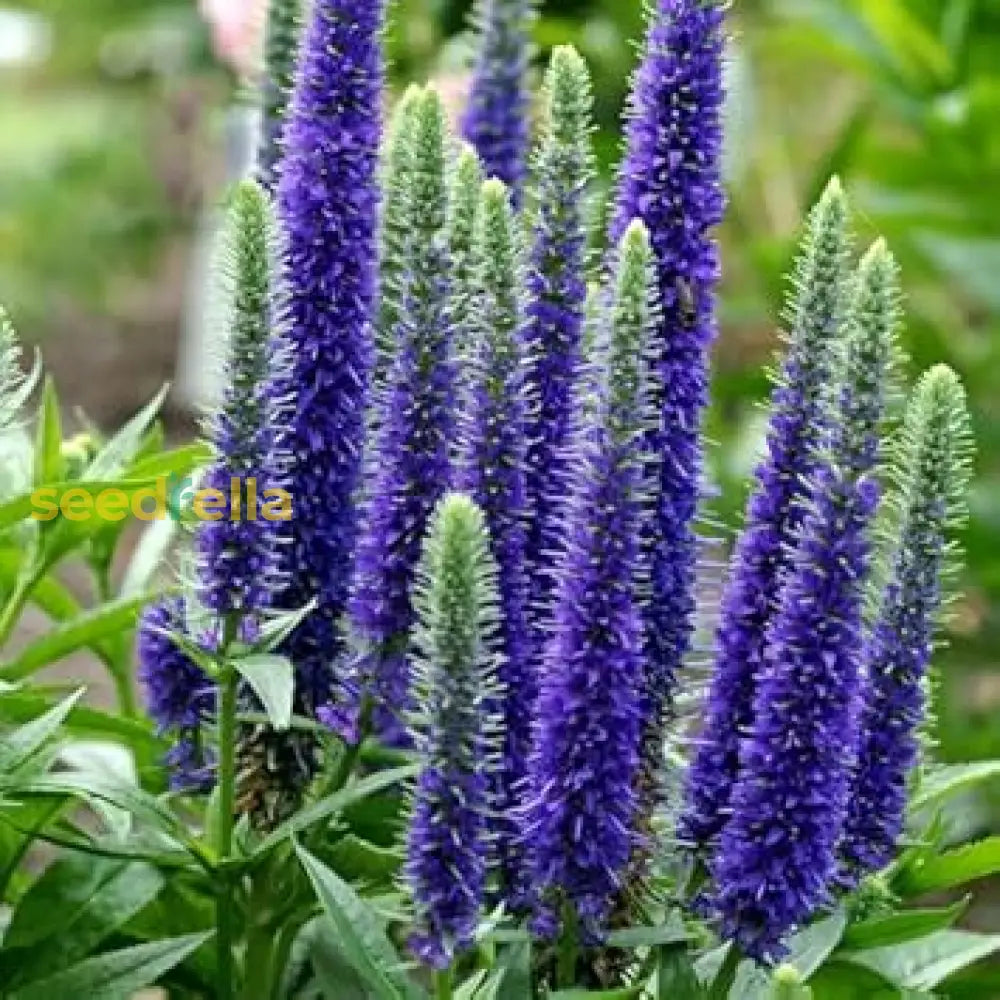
{"x": 671, "y": 180}
{"x": 239, "y": 552}
{"x": 496, "y": 117}
{"x": 455, "y": 673}
{"x": 328, "y": 207}
{"x": 491, "y": 471}
{"x": 410, "y": 466}
{"x": 931, "y": 477}
{"x": 774, "y": 515}
{"x": 556, "y": 283}
{"x": 777, "y": 855}
{"x": 585, "y": 762}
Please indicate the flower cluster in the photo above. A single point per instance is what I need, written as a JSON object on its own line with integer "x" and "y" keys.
{"x": 281, "y": 49}
{"x": 585, "y": 758}
{"x": 671, "y": 180}
{"x": 554, "y": 317}
{"x": 179, "y": 695}
{"x": 931, "y": 472}
{"x": 456, "y": 600}
{"x": 239, "y": 554}
{"x": 410, "y": 466}
{"x": 491, "y": 471}
{"x": 496, "y": 462}
{"x": 775, "y": 511}
{"x": 328, "y": 203}
{"x": 778, "y": 852}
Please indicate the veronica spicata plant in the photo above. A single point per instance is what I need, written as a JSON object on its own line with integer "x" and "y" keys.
{"x": 417, "y": 720}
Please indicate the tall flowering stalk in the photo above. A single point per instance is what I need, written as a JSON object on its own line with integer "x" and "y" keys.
{"x": 671, "y": 179}
{"x": 394, "y": 235}
{"x": 410, "y": 465}
{"x": 464, "y": 197}
{"x": 239, "y": 568}
{"x": 555, "y": 311}
{"x": 496, "y": 116}
{"x": 774, "y": 515}
{"x": 328, "y": 207}
{"x": 491, "y": 471}
{"x": 931, "y": 476}
{"x": 585, "y": 758}
{"x": 448, "y": 840}
{"x": 281, "y": 49}
{"x": 777, "y": 854}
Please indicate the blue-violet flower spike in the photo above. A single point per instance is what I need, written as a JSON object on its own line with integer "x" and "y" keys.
{"x": 448, "y": 839}
{"x": 775, "y": 510}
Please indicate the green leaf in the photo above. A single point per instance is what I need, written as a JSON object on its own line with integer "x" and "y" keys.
{"x": 514, "y": 965}
{"x": 334, "y": 975}
{"x": 99, "y": 623}
{"x": 48, "y": 440}
{"x": 895, "y": 928}
{"x": 676, "y": 978}
{"x": 276, "y": 629}
{"x": 74, "y": 906}
{"x": 115, "y": 975}
{"x": 337, "y": 803}
{"x": 925, "y": 963}
{"x": 470, "y": 988}
{"x": 122, "y": 447}
{"x": 272, "y": 679}
{"x": 952, "y": 868}
{"x": 360, "y": 932}
{"x": 177, "y": 462}
{"x": 948, "y": 780}
{"x": 144, "y": 807}
{"x": 22, "y": 824}
{"x": 670, "y": 932}
{"x": 18, "y": 746}
{"x": 841, "y": 980}
{"x": 20, "y": 706}
{"x": 358, "y": 860}
{"x": 808, "y": 949}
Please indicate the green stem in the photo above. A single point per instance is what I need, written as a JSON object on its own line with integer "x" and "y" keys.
{"x": 443, "y": 981}
{"x": 228, "y": 681}
{"x": 568, "y": 954}
{"x": 726, "y": 976}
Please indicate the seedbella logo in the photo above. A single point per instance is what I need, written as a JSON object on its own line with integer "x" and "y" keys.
{"x": 162, "y": 499}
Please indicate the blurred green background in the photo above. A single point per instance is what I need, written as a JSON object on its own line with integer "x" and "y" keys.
{"x": 115, "y": 118}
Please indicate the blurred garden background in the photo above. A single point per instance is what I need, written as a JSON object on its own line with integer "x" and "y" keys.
{"x": 120, "y": 120}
